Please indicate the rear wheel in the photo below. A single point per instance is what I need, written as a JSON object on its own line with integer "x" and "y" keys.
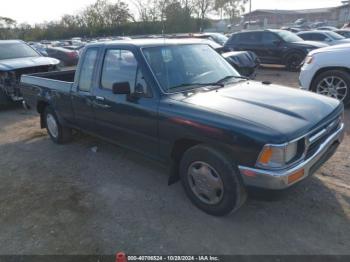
{"x": 57, "y": 132}
{"x": 293, "y": 61}
{"x": 333, "y": 83}
{"x": 211, "y": 181}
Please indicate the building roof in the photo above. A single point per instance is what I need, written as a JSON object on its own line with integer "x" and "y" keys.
{"x": 300, "y": 11}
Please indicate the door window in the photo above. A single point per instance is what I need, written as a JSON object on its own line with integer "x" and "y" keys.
{"x": 306, "y": 36}
{"x": 87, "y": 70}
{"x": 319, "y": 37}
{"x": 250, "y": 38}
{"x": 119, "y": 66}
{"x": 270, "y": 38}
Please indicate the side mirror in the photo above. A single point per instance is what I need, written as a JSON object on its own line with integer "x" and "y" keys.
{"x": 328, "y": 40}
{"x": 122, "y": 88}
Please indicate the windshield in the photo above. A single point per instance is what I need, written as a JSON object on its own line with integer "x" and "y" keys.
{"x": 184, "y": 67}
{"x": 288, "y": 36}
{"x": 335, "y": 36}
{"x": 16, "y": 50}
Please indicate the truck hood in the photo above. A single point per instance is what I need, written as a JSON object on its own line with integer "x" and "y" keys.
{"x": 18, "y": 63}
{"x": 290, "y": 112}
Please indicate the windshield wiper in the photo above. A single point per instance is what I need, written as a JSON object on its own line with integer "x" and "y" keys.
{"x": 195, "y": 85}
{"x": 218, "y": 84}
{"x": 226, "y": 78}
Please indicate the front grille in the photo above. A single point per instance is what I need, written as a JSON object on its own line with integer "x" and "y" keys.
{"x": 322, "y": 134}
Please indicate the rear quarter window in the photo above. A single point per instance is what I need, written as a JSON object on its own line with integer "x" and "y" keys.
{"x": 87, "y": 70}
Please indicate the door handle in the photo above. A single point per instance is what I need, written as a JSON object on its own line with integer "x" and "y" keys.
{"x": 98, "y": 102}
{"x": 100, "y": 98}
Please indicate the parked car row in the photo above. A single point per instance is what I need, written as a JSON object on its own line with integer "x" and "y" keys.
{"x": 245, "y": 63}
{"x": 67, "y": 56}
{"x": 273, "y": 46}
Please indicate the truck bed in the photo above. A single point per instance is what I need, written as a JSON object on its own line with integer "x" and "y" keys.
{"x": 50, "y": 79}
{"x": 32, "y": 86}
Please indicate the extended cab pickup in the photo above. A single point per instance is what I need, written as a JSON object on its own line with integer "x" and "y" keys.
{"x": 180, "y": 102}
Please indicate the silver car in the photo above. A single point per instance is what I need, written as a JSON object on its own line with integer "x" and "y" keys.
{"x": 327, "y": 37}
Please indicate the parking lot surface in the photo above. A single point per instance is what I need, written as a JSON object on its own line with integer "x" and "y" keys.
{"x": 74, "y": 199}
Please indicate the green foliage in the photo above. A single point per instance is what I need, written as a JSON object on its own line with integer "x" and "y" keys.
{"x": 104, "y": 18}
{"x": 230, "y": 8}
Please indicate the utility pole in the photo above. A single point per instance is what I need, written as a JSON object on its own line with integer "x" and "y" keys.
{"x": 347, "y": 16}
{"x": 250, "y": 12}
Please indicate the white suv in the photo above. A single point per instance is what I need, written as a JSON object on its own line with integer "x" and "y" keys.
{"x": 326, "y": 71}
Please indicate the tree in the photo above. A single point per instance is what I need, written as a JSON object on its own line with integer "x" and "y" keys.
{"x": 177, "y": 17}
{"x": 104, "y": 15}
{"x": 230, "y": 8}
{"x": 6, "y": 24}
{"x": 106, "y": 18}
{"x": 147, "y": 10}
{"x": 202, "y": 8}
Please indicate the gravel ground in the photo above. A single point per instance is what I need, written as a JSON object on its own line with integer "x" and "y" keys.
{"x": 71, "y": 200}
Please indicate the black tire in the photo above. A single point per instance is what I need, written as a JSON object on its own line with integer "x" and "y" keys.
{"x": 337, "y": 73}
{"x": 293, "y": 61}
{"x": 233, "y": 194}
{"x": 63, "y": 135}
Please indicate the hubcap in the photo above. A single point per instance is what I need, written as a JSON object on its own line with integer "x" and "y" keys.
{"x": 205, "y": 183}
{"x": 52, "y": 125}
{"x": 333, "y": 86}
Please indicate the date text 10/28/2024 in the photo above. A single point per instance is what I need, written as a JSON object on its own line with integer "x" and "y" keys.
{"x": 173, "y": 258}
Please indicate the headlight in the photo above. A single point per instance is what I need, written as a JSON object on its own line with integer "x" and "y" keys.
{"x": 309, "y": 59}
{"x": 276, "y": 156}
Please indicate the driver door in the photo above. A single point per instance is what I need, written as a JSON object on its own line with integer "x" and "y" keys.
{"x": 126, "y": 119}
{"x": 272, "y": 48}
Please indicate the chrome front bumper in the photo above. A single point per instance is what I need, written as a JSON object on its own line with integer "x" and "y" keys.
{"x": 278, "y": 179}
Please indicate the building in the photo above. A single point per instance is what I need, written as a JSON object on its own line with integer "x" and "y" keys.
{"x": 333, "y": 16}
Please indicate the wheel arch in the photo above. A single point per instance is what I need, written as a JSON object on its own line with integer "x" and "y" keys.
{"x": 40, "y": 107}
{"x": 293, "y": 51}
{"x": 325, "y": 69}
{"x": 180, "y": 146}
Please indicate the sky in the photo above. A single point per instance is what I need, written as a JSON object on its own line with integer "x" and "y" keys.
{"x": 38, "y": 11}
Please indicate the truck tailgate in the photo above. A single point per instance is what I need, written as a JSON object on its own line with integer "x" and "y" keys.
{"x": 37, "y": 86}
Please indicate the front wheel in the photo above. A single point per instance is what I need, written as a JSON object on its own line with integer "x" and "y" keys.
{"x": 293, "y": 61}
{"x": 211, "y": 181}
{"x": 333, "y": 83}
{"x": 57, "y": 132}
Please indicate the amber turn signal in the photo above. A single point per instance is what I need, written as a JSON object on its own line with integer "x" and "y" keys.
{"x": 296, "y": 176}
{"x": 265, "y": 155}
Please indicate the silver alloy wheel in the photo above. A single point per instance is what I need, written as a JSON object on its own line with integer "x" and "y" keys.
{"x": 205, "y": 183}
{"x": 333, "y": 86}
{"x": 52, "y": 125}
